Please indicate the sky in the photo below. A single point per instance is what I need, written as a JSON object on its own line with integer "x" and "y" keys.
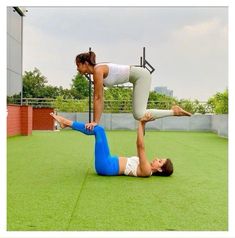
{"x": 188, "y": 46}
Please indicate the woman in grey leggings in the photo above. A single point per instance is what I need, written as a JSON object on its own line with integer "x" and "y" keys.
{"x": 109, "y": 74}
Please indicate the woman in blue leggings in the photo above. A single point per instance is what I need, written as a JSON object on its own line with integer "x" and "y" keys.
{"x": 106, "y": 164}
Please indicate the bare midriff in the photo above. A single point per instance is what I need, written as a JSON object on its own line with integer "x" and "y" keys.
{"x": 122, "y": 164}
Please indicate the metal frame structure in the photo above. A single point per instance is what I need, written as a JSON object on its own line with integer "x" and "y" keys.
{"x": 145, "y": 64}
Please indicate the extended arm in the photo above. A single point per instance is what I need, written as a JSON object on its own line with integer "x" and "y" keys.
{"x": 98, "y": 99}
{"x": 144, "y": 166}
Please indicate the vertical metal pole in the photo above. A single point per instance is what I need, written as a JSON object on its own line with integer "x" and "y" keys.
{"x": 89, "y": 93}
{"x": 141, "y": 61}
{"x": 144, "y": 67}
{"x": 144, "y": 57}
{"x": 21, "y": 93}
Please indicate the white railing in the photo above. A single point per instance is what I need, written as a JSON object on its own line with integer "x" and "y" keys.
{"x": 115, "y": 106}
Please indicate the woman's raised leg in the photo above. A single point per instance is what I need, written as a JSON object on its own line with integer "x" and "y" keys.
{"x": 78, "y": 126}
{"x": 105, "y": 164}
{"x": 141, "y": 80}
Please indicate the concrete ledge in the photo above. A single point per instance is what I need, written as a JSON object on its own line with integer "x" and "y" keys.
{"x": 200, "y": 123}
{"x": 175, "y": 123}
{"x": 123, "y": 121}
{"x": 126, "y": 121}
{"x": 219, "y": 124}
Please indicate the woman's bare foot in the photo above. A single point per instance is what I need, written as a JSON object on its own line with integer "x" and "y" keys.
{"x": 62, "y": 121}
{"x": 178, "y": 111}
{"x": 147, "y": 117}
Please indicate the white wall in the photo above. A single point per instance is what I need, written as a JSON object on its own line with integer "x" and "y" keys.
{"x": 125, "y": 121}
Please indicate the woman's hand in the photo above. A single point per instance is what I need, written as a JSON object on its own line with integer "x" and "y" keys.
{"x": 147, "y": 117}
{"x": 90, "y": 126}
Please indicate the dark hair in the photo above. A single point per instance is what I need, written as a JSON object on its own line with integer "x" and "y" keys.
{"x": 167, "y": 169}
{"x": 86, "y": 57}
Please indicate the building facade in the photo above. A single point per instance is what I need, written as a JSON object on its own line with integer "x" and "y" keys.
{"x": 14, "y": 50}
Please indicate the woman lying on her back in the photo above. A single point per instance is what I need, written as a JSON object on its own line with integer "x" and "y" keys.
{"x": 106, "y": 164}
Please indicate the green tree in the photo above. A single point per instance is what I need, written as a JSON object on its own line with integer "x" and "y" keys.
{"x": 219, "y": 102}
{"x": 187, "y": 104}
{"x": 33, "y": 84}
{"x": 80, "y": 87}
{"x": 49, "y": 91}
{"x": 65, "y": 93}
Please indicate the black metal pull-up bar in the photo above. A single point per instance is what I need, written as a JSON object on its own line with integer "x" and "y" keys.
{"x": 88, "y": 76}
{"x": 143, "y": 63}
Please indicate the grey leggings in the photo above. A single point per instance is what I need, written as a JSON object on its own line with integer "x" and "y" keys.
{"x": 141, "y": 79}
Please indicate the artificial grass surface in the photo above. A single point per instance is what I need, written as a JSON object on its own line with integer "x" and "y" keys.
{"x": 52, "y": 184}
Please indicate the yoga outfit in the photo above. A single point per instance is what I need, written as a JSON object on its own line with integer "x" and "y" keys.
{"x": 141, "y": 80}
{"x": 131, "y": 166}
{"x": 105, "y": 164}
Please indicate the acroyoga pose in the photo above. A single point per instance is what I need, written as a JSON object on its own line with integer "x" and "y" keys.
{"x": 109, "y": 74}
{"x": 107, "y": 164}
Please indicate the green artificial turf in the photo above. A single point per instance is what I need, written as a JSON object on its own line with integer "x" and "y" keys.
{"x": 52, "y": 184}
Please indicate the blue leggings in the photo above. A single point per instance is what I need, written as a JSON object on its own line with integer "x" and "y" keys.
{"x": 105, "y": 164}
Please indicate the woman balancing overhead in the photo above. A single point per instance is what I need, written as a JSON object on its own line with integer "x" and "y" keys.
{"x": 109, "y": 74}
{"x": 109, "y": 165}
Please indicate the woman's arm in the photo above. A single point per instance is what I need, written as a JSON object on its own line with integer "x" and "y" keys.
{"x": 98, "y": 99}
{"x": 144, "y": 166}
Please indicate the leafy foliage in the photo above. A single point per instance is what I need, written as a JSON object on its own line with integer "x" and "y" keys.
{"x": 70, "y": 105}
{"x": 219, "y": 102}
{"x": 33, "y": 84}
{"x": 117, "y": 99}
{"x": 80, "y": 87}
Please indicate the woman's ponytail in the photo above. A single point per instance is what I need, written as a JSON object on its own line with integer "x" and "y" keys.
{"x": 90, "y": 57}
